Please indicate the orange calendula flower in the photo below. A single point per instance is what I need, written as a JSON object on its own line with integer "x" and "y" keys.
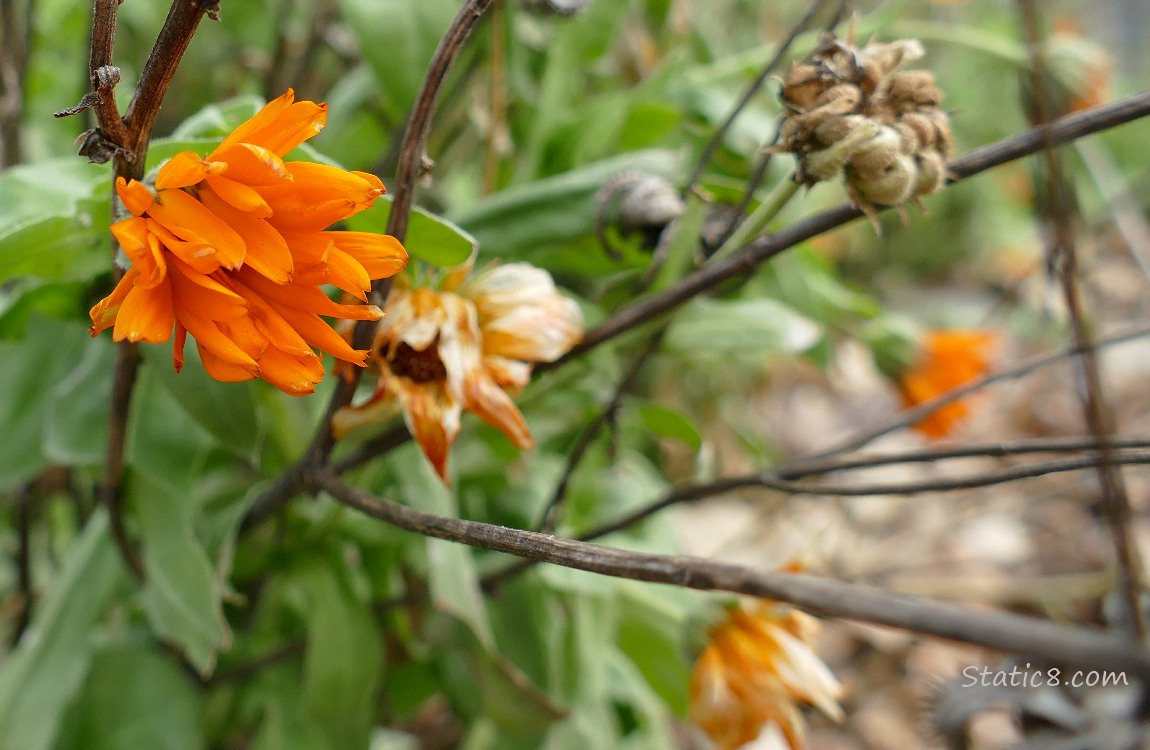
{"x": 442, "y": 351}
{"x": 756, "y": 669}
{"x": 946, "y": 360}
{"x": 233, "y": 249}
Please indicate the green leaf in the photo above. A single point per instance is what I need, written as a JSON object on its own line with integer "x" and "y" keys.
{"x": 181, "y": 596}
{"x": 528, "y": 217}
{"x": 58, "y": 247}
{"x": 163, "y": 441}
{"x": 226, "y": 410}
{"x": 429, "y": 237}
{"x": 748, "y": 326}
{"x": 663, "y": 421}
{"x": 76, "y": 413}
{"x": 342, "y": 662}
{"x": 651, "y": 635}
{"x": 47, "y": 188}
{"x": 21, "y": 300}
{"x": 133, "y": 698}
{"x": 27, "y": 367}
{"x": 452, "y": 577}
{"x": 398, "y": 38}
{"x": 41, "y": 675}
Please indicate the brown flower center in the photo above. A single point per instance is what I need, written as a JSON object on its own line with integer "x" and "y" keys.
{"x": 418, "y": 366}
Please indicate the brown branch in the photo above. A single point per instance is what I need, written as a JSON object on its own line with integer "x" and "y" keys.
{"x": 175, "y": 36}
{"x": 22, "y": 560}
{"x": 100, "y": 70}
{"x": 15, "y": 46}
{"x": 746, "y": 260}
{"x": 111, "y": 487}
{"x": 411, "y": 156}
{"x": 1057, "y": 208}
{"x": 1076, "y": 647}
{"x": 780, "y": 480}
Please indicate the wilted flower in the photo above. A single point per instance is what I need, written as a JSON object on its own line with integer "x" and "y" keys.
{"x": 946, "y": 360}
{"x": 232, "y": 249}
{"x": 756, "y": 669}
{"x": 442, "y": 351}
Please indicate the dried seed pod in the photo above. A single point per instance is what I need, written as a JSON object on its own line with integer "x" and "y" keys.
{"x": 879, "y": 61}
{"x": 931, "y": 172}
{"x": 826, "y": 163}
{"x": 804, "y": 84}
{"x": 834, "y": 129}
{"x": 910, "y": 90}
{"x": 880, "y": 172}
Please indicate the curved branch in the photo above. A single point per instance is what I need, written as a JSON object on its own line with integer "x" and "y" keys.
{"x": 1056, "y": 133}
{"x": 1076, "y": 647}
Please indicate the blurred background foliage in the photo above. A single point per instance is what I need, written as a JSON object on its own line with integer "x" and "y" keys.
{"x": 324, "y": 628}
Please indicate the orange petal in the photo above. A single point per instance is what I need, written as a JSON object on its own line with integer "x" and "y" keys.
{"x": 247, "y": 335}
{"x": 266, "y": 251}
{"x": 199, "y": 255}
{"x": 146, "y": 315}
{"x": 381, "y": 255}
{"x": 223, "y": 370}
{"x": 309, "y": 248}
{"x": 260, "y": 120}
{"x": 142, "y": 248}
{"x": 251, "y": 164}
{"x": 203, "y": 295}
{"x": 306, "y": 299}
{"x": 432, "y": 425}
{"x": 135, "y": 195}
{"x": 346, "y": 273}
{"x": 208, "y": 335}
{"x": 278, "y": 330}
{"x": 103, "y": 313}
{"x": 238, "y": 195}
{"x": 184, "y": 170}
{"x": 319, "y": 334}
{"x": 293, "y": 374}
{"x": 191, "y": 220}
{"x": 178, "y": 346}
{"x": 318, "y": 196}
{"x": 489, "y": 402}
{"x": 281, "y": 125}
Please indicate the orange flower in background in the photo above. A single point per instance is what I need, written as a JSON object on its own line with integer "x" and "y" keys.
{"x": 947, "y": 360}
{"x": 440, "y": 352}
{"x": 756, "y": 669}
{"x": 232, "y": 248}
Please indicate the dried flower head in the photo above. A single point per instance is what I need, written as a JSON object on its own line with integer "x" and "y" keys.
{"x": 946, "y": 360}
{"x": 232, "y": 248}
{"x": 856, "y": 112}
{"x": 756, "y": 669}
{"x": 463, "y": 347}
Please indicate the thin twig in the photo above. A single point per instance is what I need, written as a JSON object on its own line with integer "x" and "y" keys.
{"x": 781, "y": 479}
{"x": 1061, "y": 131}
{"x": 22, "y": 505}
{"x": 1057, "y": 209}
{"x": 111, "y": 487}
{"x": 175, "y": 36}
{"x": 103, "y": 43}
{"x": 1076, "y": 647}
{"x": 930, "y": 406}
{"x": 753, "y": 88}
{"x": 550, "y": 518}
{"x": 15, "y": 46}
